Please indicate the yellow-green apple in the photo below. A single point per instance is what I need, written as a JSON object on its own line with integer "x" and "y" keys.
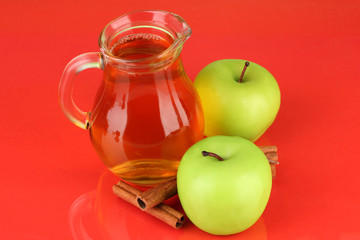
{"x": 237, "y": 102}
{"x": 224, "y": 184}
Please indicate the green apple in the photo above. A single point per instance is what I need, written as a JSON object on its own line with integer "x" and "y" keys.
{"x": 224, "y": 184}
{"x": 237, "y": 102}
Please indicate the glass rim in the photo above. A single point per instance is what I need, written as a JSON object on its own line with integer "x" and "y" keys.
{"x": 179, "y": 39}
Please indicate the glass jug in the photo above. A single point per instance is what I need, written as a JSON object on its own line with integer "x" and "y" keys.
{"x": 146, "y": 113}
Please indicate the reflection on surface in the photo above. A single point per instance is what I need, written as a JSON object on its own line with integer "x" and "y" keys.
{"x": 82, "y": 220}
{"x": 99, "y": 214}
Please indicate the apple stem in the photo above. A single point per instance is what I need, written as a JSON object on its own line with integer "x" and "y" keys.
{"x": 243, "y": 71}
{"x": 205, "y": 154}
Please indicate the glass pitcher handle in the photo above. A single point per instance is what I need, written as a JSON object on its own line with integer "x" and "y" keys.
{"x": 75, "y": 66}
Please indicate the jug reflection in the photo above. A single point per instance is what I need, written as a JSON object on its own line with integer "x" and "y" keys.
{"x": 147, "y": 112}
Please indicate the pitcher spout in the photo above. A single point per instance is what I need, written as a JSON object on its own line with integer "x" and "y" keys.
{"x": 144, "y": 40}
{"x": 181, "y": 31}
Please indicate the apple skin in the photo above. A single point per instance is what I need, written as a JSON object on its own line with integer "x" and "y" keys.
{"x": 245, "y": 109}
{"x": 224, "y": 197}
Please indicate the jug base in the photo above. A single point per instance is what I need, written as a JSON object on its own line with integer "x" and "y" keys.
{"x": 146, "y": 172}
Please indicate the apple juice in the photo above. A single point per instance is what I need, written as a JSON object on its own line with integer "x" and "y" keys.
{"x": 144, "y": 121}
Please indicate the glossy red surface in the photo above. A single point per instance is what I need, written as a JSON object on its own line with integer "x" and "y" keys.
{"x": 53, "y": 186}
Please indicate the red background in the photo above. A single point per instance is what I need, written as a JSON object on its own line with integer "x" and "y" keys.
{"x": 53, "y": 186}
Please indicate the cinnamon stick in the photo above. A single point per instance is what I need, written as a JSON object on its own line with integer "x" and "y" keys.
{"x": 268, "y": 149}
{"x": 162, "y": 211}
{"x": 157, "y": 194}
{"x": 272, "y": 156}
{"x": 273, "y": 170}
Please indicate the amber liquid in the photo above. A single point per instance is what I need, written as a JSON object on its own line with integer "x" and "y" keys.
{"x": 142, "y": 123}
